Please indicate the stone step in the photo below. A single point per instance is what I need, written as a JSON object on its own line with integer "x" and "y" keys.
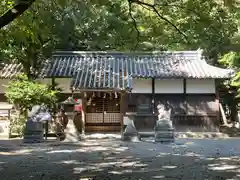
{"x": 32, "y": 140}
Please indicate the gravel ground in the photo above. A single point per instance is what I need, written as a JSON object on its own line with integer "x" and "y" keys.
{"x": 101, "y": 159}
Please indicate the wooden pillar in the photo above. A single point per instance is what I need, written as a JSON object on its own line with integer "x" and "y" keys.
{"x": 9, "y": 120}
{"x": 217, "y": 100}
{"x": 153, "y": 95}
{"x": 185, "y": 99}
{"x": 53, "y": 84}
{"x": 84, "y": 109}
{"x": 123, "y": 106}
{"x": 185, "y": 95}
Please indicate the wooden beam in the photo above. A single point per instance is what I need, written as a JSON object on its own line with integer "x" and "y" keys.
{"x": 102, "y": 124}
{"x": 99, "y": 90}
{"x": 123, "y": 105}
{"x": 223, "y": 115}
{"x": 53, "y": 84}
{"x": 217, "y": 100}
{"x": 184, "y": 86}
{"x": 153, "y": 95}
{"x": 185, "y": 95}
{"x": 84, "y": 109}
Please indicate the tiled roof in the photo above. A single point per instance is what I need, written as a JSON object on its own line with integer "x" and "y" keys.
{"x": 115, "y": 70}
{"x": 8, "y": 71}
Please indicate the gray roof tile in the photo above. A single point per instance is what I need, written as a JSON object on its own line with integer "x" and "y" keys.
{"x": 8, "y": 71}
{"x": 115, "y": 70}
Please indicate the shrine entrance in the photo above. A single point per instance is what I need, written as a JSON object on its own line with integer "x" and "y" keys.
{"x": 103, "y": 112}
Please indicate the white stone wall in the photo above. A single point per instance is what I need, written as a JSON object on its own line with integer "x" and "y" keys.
{"x": 64, "y": 84}
{"x": 200, "y": 86}
{"x": 4, "y": 128}
{"x": 142, "y": 86}
{"x": 174, "y": 86}
{"x": 45, "y": 81}
{"x": 169, "y": 86}
{"x": 2, "y": 83}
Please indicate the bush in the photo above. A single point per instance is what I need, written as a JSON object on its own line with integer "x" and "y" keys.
{"x": 17, "y": 124}
{"x": 25, "y": 93}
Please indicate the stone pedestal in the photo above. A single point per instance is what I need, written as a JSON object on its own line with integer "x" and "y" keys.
{"x": 33, "y": 132}
{"x": 130, "y": 133}
{"x": 164, "y": 131}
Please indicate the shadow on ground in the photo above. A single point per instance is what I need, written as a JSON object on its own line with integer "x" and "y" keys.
{"x": 107, "y": 159}
{"x": 230, "y": 131}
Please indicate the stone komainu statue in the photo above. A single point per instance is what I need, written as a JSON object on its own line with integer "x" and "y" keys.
{"x": 163, "y": 113}
{"x": 164, "y": 131}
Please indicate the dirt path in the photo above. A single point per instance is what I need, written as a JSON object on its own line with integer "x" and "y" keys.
{"x": 113, "y": 159}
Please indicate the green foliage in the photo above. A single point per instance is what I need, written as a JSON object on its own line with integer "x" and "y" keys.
{"x": 110, "y": 25}
{"x": 30, "y": 38}
{"x": 17, "y": 124}
{"x": 232, "y": 60}
{"x": 26, "y": 93}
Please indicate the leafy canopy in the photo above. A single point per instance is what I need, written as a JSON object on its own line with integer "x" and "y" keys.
{"x": 118, "y": 25}
{"x": 232, "y": 60}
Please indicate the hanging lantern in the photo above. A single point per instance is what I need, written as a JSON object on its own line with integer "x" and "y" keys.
{"x": 89, "y": 101}
{"x": 116, "y": 96}
{"x": 104, "y": 96}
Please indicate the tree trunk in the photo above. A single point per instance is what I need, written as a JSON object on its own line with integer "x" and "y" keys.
{"x": 25, "y": 114}
{"x": 14, "y": 12}
{"x": 234, "y": 112}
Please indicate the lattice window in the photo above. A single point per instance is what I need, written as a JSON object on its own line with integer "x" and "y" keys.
{"x": 94, "y": 118}
{"x": 104, "y": 102}
{"x": 95, "y": 105}
{"x": 111, "y": 103}
{"x": 112, "y": 118}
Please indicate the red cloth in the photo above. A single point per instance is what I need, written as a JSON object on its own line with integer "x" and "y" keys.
{"x": 78, "y": 108}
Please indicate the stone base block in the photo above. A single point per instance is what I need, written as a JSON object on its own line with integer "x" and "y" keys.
{"x": 131, "y": 138}
{"x": 164, "y": 136}
{"x": 130, "y": 133}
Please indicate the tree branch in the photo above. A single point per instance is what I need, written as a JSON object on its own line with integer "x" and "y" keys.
{"x": 190, "y": 10}
{"x": 14, "y": 12}
{"x": 154, "y": 9}
{"x": 134, "y": 23}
